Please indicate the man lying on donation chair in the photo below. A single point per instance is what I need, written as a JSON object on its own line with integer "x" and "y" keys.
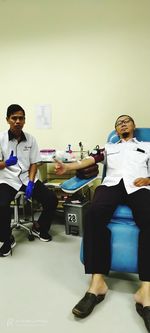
{"x": 127, "y": 181}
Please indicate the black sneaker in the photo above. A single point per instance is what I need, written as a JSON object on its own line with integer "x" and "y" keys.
{"x": 12, "y": 241}
{"x": 36, "y": 230}
{"x": 42, "y": 235}
{"x": 5, "y": 249}
{"x": 45, "y": 237}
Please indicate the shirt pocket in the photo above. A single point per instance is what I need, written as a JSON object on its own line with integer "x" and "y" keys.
{"x": 140, "y": 157}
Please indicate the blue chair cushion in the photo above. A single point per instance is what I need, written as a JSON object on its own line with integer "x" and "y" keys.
{"x": 75, "y": 183}
{"x": 124, "y": 247}
{"x": 123, "y": 212}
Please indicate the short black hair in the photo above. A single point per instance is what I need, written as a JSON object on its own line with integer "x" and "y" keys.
{"x": 14, "y": 108}
{"x": 124, "y": 115}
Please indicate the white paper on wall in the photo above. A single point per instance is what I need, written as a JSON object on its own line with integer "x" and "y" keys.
{"x": 43, "y": 116}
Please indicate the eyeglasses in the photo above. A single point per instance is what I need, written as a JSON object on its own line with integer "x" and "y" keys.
{"x": 124, "y": 121}
{"x": 15, "y": 118}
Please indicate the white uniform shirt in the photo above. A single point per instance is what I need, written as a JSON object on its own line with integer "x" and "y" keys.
{"x": 127, "y": 160}
{"x": 27, "y": 152}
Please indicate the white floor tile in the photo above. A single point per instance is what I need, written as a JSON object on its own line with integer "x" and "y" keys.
{"x": 42, "y": 282}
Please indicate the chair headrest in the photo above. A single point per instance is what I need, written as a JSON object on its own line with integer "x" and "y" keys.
{"x": 141, "y": 134}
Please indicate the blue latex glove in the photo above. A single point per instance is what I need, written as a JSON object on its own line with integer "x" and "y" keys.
{"x": 12, "y": 160}
{"x": 29, "y": 189}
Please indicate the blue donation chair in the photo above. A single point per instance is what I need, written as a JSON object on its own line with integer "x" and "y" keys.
{"x": 124, "y": 232}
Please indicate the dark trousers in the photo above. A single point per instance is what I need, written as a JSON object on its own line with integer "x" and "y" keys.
{"x": 7, "y": 194}
{"x": 96, "y": 239}
{"x": 47, "y": 198}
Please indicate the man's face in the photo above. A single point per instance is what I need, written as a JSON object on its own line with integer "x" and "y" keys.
{"x": 124, "y": 127}
{"x": 16, "y": 122}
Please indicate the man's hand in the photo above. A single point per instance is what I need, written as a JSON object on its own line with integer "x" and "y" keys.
{"x": 12, "y": 160}
{"x": 60, "y": 168}
{"x": 29, "y": 190}
{"x": 142, "y": 182}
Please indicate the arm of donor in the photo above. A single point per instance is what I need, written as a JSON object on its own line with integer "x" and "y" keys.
{"x": 12, "y": 160}
{"x": 61, "y": 168}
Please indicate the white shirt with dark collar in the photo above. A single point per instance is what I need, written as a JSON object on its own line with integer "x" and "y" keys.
{"x": 27, "y": 152}
{"x": 127, "y": 160}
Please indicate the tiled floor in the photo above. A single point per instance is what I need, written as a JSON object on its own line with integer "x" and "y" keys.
{"x": 41, "y": 282}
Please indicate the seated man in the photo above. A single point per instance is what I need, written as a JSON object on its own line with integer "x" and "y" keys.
{"x": 19, "y": 155}
{"x": 127, "y": 181}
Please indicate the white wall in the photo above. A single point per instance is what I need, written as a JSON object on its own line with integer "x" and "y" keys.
{"x": 89, "y": 59}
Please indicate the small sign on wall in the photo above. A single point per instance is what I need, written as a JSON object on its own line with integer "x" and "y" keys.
{"x": 43, "y": 116}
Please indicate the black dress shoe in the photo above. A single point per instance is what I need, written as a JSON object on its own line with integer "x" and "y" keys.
{"x": 87, "y": 304}
{"x": 144, "y": 312}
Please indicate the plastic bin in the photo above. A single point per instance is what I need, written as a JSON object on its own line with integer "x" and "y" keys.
{"x": 75, "y": 217}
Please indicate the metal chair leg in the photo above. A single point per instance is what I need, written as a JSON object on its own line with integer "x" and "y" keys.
{"x": 17, "y": 221}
